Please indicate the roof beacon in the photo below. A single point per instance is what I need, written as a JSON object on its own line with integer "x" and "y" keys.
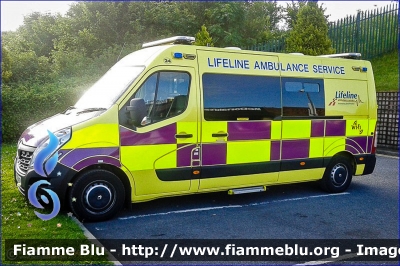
{"x": 345, "y": 55}
{"x": 172, "y": 40}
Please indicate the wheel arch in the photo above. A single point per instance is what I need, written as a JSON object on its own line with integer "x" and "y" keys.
{"x": 113, "y": 169}
{"x": 347, "y": 155}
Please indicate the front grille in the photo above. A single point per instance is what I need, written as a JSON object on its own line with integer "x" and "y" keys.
{"x": 24, "y": 160}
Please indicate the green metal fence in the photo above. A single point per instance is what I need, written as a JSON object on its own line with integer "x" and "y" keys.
{"x": 370, "y": 33}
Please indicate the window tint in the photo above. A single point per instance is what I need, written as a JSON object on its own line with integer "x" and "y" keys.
{"x": 303, "y": 97}
{"x": 240, "y": 97}
{"x": 165, "y": 95}
{"x": 311, "y": 87}
{"x": 293, "y": 86}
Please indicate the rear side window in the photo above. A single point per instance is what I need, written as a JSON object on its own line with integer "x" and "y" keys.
{"x": 303, "y": 97}
{"x": 241, "y": 97}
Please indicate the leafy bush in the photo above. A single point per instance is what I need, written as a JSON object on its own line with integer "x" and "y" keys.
{"x": 310, "y": 32}
{"x": 25, "y": 104}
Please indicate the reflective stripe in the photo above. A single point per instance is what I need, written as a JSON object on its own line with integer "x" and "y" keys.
{"x": 147, "y": 157}
{"x": 333, "y": 145}
{"x": 94, "y": 136}
{"x": 163, "y": 135}
{"x": 213, "y": 154}
{"x": 296, "y": 129}
{"x": 356, "y": 145}
{"x": 248, "y": 152}
{"x": 251, "y": 130}
{"x": 316, "y": 148}
{"x": 317, "y": 128}
{"x": 77, "y": 155}
{"x": 335, "y": 128}
{"x": 295, "y": 149}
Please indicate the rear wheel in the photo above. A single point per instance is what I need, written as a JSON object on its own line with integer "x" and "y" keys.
{"x": 338, "y": 175}
{"x": 96, "y": 195}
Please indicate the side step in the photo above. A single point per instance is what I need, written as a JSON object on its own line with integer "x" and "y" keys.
{"x": 237, "y": 191}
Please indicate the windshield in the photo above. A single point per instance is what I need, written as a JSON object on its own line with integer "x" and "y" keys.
{"x": 109, "y": 88}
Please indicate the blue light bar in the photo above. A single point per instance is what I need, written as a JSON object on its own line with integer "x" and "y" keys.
{"x": 178, "y": 55}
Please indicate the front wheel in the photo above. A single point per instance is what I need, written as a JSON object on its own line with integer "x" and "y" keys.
{"x": 96, "y": 195}
{"x": 338, "y": 175}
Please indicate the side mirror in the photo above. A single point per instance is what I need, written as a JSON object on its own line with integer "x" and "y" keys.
{"x": 137, "y": 111}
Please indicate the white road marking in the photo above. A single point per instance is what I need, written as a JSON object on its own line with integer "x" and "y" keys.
{"x": 180, "y": 211}
{"x": 230, "y": 206}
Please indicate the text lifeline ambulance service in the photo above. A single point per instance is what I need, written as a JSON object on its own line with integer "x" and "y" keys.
{"x": 176, "y": 119}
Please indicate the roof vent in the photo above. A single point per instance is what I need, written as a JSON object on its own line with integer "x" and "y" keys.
{"x": 171, "y": 40}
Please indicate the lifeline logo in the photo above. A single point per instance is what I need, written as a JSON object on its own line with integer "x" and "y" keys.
{"x": 346, "y": 98}
{"x": 44, "y": 167}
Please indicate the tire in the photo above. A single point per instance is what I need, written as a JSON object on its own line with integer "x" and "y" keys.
{"x": 96, "y": 195}
{"x": 338, "y": 175}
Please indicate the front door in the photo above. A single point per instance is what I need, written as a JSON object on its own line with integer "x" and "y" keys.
{"x": 159, "y": 153}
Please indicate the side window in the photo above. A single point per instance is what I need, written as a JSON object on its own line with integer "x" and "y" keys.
{"x": 303, "y": 97}
{"x": 165, "y": 95}
{"x": 241, "y": 97}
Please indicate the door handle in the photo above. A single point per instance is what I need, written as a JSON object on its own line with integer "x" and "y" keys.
{"x": 219, "y": 135}
{"x": 183, "y": 136}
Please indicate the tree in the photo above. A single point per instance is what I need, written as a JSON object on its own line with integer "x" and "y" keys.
{"x": 5, "y": 66}
{"x": 38, "y": 33}
{"x": 292, "y": 10}
{"x": 310, "y": 32}
{"x": 242, "y": 23}
{"x": 203, "y": 38}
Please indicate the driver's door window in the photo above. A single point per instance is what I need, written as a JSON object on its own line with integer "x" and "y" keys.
{"x": 165, "y": 95}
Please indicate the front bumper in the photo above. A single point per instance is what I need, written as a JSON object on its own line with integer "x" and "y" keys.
{"x": 58, "y": 179}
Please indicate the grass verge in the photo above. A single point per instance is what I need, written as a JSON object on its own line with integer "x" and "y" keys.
{"x": 386, "y": 72}
{"x": 20, "y": 222}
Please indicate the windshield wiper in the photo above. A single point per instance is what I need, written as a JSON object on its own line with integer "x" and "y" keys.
{"x": 69, "y": 109}
{"x": 88, "y": 110}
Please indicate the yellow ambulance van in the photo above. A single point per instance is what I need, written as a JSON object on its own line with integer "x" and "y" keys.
{"x": 175, "y": 119}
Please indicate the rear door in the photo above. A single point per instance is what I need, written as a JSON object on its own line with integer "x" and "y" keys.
{"x": 240, "y": 141}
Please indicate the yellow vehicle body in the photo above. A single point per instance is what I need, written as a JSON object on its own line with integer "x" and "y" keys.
{"x": 243, "y": 119}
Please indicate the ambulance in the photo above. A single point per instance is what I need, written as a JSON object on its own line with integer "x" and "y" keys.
{"x": 176, "y": 119}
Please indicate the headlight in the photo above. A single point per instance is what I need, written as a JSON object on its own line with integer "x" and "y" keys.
{"x": 63, "y": 136}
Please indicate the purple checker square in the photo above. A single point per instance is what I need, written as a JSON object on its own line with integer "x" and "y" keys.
{"x": 275, "y": 150}
{"x": 356, "y": 143}
{"x": 335, "y": 128}
{"x": 249, "y": 130}
{"x": 295, "y": 149}
{"x": 95, "y": 160}
{"x": 184, "y": 155}
{"x": 164, "y": 135}
{"x": 79, "y": 154}
{"x": 317, "y": 128}
{"x": 213, "y": 154}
